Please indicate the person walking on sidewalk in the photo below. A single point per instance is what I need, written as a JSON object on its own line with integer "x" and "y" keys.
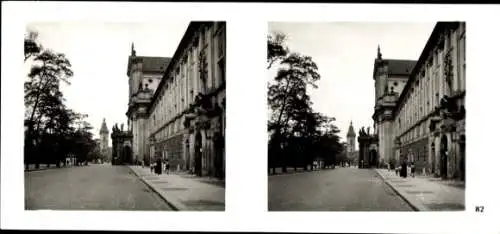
{"x": 167, "y": 166}
{"x": 152, "y": 166}
{"x": 412, "y": 168}
{"x": 404, "y": 169}
{"x": 158, "y": 166}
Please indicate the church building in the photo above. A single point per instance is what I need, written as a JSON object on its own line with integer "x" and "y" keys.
{"x": 177, "y": 104}
{"x": 352, "y": 153}
{"x": 104, "y": 141}
{"x": 420, "y": 105}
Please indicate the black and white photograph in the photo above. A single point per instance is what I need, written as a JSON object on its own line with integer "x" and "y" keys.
{"x": 366, "y": 116}
{"x": 124, "y": 116}
{"x": 114, "y": 117}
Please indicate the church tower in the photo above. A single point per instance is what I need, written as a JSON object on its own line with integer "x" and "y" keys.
{"x": 351, "y": 139}
{"x": 104, "y": 133}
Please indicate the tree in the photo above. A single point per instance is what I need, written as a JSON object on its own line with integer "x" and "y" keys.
{"x": 82, "y": 140}
{"x": 31, "y": 45}
{"x": 290, "y": 105}
{"x": 276, "y": 48}
{"x": 46, "y": 118}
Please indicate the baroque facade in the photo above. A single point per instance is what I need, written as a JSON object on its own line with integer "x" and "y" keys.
{"x": 177, "y": 104}
{"x": 420, "y": 105}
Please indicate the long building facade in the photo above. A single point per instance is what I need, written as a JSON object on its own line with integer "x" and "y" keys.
{"x": 177, "y": 104}
{"x": 420, "y": 105}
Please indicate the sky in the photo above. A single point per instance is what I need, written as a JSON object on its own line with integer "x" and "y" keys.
{"x": 98, "y": 52}
{"x": 344, "y": 53}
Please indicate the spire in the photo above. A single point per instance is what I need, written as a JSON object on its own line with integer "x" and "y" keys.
{"x": 379, "y": 55}
{"x": 350, "y": 132}
{"x": 104, "y": 128}
{"x": 133, "y": 50}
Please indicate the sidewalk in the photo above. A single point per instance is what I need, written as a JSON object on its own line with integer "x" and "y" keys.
{"x": 427, "y": 193}
{"x": 185, "y": 192}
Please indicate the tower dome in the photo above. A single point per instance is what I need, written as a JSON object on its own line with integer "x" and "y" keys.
{"x": 350, "y": 132}
{"x": 104, "y": 128}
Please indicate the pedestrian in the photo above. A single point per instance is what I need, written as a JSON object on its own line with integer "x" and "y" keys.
{"x": 158, "y": 166}
{"x": 152, "y": 166}
{"x": 412, "y": 167}
{"x": 167, "y": 166}
{"x": 404, "y": 169}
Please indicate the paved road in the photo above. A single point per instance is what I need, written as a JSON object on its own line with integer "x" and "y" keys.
{"x": 341, "y": 189}
{"x": 93, "y": 187}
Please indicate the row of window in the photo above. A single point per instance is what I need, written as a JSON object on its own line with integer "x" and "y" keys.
{"x": 186, "y": 83}
{"x": 426, "y": 92}
{"x": 170, "y": 130}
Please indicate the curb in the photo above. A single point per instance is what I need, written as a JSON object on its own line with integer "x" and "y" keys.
{"x": 414, "y": 206}
{"x": 299, "y": 172}
{"x": 171, "y": 201}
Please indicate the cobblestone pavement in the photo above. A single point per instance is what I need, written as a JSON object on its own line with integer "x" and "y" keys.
{"x": 427, "y": 193}
{"x": 185, "y": 192}
{"x": 93, "y": 187}
{"x": 340, "y": 189}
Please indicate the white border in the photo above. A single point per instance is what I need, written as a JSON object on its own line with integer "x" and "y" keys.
{"x": 246, "y": 193}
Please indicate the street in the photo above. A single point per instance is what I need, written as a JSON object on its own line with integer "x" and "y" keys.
{"x": 93, "y": 187}
{"x": 340, "y": 189}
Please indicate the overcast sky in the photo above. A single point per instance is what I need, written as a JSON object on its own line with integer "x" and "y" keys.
{"x": 99, "y": 53}
{"x": 344, "y": 53}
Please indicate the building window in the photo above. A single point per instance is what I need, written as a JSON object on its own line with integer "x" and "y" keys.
{"x": 220, "y": 45}
{"x": 222, "y": 70}
{"x": 437, "y": 99}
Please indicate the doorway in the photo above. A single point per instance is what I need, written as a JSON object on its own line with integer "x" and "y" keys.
{"x": 373, "y": 158}
{"x": 433, "y": 158}
{"x": 188, "y": 158}
{"x": 462, "y": 157}
{"x": 197, "y": 154}
{"x": 444, "y": 157}
{"x": 127, "y": 155}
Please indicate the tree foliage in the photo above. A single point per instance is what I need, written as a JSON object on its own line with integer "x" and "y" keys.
{"x": 51, "y": 133}
{"x": 31, "y": 46}
{"x": 276, "y": 48}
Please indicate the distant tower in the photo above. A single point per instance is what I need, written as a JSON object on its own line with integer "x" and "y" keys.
{"x": 351, "y": 139}
{"x": 104, "y": 133}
